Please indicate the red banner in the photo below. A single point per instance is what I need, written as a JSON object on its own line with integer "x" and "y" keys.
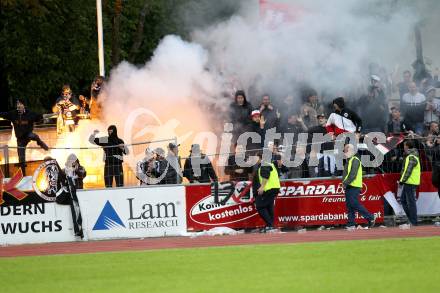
{"x": 322, "y": 202}
{"x": 235, "y": 207}
{"x": 300, "y": 203}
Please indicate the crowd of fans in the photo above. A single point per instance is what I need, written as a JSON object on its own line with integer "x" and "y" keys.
{"x": 416, "y": 115}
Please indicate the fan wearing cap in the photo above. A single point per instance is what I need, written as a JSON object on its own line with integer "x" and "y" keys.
{"x": 258, "y": 126}
{"x": 342, "y": 119}
{"x": 432, "y": 111}
{"x": 23, "y": 121}
{"x": 174, "y": 171}
{"x": 320, "y": 128}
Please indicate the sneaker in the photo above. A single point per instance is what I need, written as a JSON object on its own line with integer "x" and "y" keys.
{"x": 44, "y": 146}
{"x": 405, "y": 226}
{"x": 271, "y": 230}
{"x": 350, "y": 228}
{"x": 372, "y": 222}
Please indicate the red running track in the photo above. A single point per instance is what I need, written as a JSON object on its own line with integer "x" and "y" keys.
{"x": 209, "y": 241}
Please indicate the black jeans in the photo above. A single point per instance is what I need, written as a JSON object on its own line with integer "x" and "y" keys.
{"x": 265, "y": 205}
{"x": 22, "y": 143}
{"x": 116, "y": 171}
{"x": 353, "y": 205}
{"x": 408, "y": 200}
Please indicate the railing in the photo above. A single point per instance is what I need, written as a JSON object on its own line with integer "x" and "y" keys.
{"x": 91, "y": 157}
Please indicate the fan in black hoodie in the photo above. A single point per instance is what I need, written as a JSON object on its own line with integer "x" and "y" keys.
{"x": 114, "y": 149}
{"x": 23, "y": 121}
{"x": 240, "y": 114}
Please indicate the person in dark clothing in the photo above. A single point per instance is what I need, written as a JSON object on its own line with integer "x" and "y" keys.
{"x": 240, "y": 114}
{"x": 258, "y": 125}
{"x": 326, "y": 162}
{"x": 114, "y": 149}
{"x": 320, "y": 128}
{"x": 373, "y": 110}
{"x": 397, "y": 125}
{"x": 198, "y": 167}
{"x": 270, "y": 114}
{"x": 352, "y": 182}
{"x": 403, "y": 86}
{"x": 343, "y": 119}
{"x": 236, "y": 172}
{"x": 294, "y": 125}
{"x": 75, "y": 171}
{"x": 95, "y": 91}
{"x": 23, "y": 121}
{"x": 160, "y": 166}
{"x": 266, "y": 186}
{"x": 145, "y": 168}
{"x": 410, "y": 179}
{"x": 287, "y": 107}
{"x": 173, "y": 172}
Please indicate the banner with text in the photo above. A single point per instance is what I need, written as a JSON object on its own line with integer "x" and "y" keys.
{"x": 133, "y": 212}
{"x": 35, "y": 223}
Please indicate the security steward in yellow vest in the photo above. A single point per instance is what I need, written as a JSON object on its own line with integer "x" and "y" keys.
{"x": 410, "y": 179}
{"x": 266, "y": 186}
{"x": 352, "y": 182}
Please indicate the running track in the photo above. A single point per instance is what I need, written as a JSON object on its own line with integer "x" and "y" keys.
{"x": 209, "y": 241}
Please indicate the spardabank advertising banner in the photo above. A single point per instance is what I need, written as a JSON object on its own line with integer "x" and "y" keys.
{"x": 309, "y": 202}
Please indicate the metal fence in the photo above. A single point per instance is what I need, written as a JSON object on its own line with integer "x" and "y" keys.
{"x": 92, "y": 158}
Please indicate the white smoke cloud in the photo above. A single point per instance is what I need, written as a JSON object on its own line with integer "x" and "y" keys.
{"x": 328, "y": 45}
{"x": 163, "y": 99}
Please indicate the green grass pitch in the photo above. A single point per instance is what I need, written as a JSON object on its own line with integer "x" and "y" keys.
{"x": 397, "y": 265}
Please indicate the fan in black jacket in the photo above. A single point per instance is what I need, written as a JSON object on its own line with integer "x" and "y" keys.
{"x": 23, "y": 121}
{"x": 114, "y": 149}
{"x": 203, "y": 172}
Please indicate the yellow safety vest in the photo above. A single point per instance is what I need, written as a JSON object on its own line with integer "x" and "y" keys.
{"x": 273, "y": 181}
{"x": 357, "y": 182}
{"x": 414, "y": 178}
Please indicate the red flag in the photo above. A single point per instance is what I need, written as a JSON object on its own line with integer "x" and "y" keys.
{"x": 11, "y": 186}
{"x": 274, "y": 14}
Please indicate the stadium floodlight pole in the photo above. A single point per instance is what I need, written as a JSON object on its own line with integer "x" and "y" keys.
{"x": 100, "y": 37}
